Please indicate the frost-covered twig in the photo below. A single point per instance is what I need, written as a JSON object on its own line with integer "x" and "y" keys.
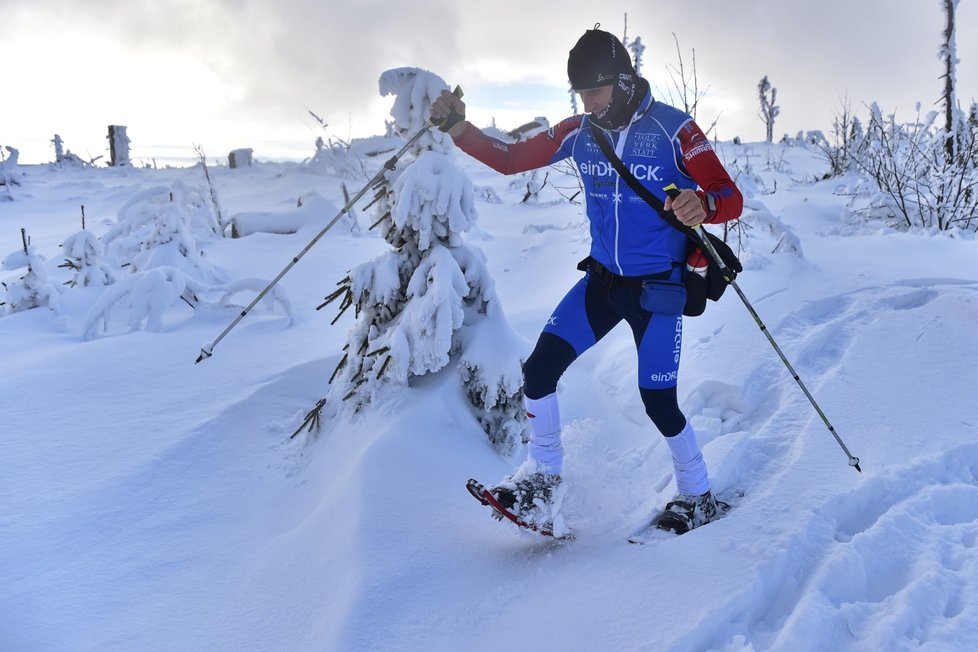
{"x": 222, "y": 224}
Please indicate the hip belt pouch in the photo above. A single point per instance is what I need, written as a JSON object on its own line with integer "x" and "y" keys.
{"x": 663, "y": 297}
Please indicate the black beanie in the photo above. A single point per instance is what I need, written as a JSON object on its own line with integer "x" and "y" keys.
{"x": 596, "y": 60}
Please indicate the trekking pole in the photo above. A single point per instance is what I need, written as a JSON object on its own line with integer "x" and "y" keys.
{"x": 207, "y": 350}
{"x": 673, "y": 192}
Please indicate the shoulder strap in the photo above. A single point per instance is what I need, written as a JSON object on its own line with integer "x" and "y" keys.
{"x": 637, "y": 186}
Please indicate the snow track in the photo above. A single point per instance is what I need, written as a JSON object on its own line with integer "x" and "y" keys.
{"x": 881, "y": 567}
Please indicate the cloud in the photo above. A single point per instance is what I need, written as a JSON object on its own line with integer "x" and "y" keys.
{"x": 272, "y": 62}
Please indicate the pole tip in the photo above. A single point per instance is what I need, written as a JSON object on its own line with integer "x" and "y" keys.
{"x": 854, "y": 462}
{"x": 206, "y": 351}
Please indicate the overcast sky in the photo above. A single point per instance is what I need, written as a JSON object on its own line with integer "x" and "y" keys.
{"x": 245, "y": 73}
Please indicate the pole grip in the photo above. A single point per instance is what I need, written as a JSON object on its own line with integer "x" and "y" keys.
{"x": 454, "y": 114}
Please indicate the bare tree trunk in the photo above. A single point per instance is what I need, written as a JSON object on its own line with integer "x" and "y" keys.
{"x": 950, "y": 59}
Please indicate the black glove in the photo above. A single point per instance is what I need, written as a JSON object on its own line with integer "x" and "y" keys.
{"x": 450, "y": 120}
{"x": 453, "y": 118}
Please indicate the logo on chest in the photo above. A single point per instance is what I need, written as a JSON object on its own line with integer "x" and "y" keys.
{"x": 645, "y": 144}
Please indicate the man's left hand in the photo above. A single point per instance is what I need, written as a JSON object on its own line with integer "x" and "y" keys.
{"x": 688, "y": 207}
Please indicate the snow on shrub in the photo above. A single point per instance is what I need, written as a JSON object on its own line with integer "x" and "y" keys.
{"x": 429, "y": 302}
{"x": 84, "y": 254}
{"x": 156, "y": 241}
{"x": 33, "y": 289}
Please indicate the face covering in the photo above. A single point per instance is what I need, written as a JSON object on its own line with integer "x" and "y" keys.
{"x": 626, "y": 96}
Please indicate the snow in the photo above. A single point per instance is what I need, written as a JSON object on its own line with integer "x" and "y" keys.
{"x": 153, "y": 504}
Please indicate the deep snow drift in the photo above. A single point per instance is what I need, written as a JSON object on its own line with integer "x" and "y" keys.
{"x": 151, "y": 504}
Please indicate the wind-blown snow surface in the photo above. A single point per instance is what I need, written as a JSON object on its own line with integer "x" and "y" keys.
{"x": 151, "y": 504}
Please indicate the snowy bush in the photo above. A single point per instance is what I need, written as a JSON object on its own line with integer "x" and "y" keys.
{"x": 33, "y": 289}
{"x": 156, "y": 241}
{"x": 186, "y": 212}
{"x": 84, "y": 254}
{"x": 926, "y": 173}
{"x": 428, "y": 302}
{"x": 147, "y": 296}
{"x": 7, "y": 164}
{"x": 531, "y": 183}
{"x": 759, "y": 230}
{"x": 334, "y": 157}
{"x": 847, "y": 139}
{"x": 917, "y": 182}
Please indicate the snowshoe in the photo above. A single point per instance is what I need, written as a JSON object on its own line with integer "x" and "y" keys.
{"x": 675, "y": 519}
{"x": 531, "y": 496}
{"x": 688, "y": 512}
{"x": 530, "y": 502}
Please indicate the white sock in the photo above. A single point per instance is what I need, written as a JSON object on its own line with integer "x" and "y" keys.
{"x": 692, "y": 478}
{"x": 545, "y": 447}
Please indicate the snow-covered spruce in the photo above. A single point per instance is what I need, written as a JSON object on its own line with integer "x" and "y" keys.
{"x": 84, "y": 255}
{"x": 32, "y": 290}
{"x": 428, "y": 302}
{"x": 156, "y": 242}
{"x": 190, "y": 216}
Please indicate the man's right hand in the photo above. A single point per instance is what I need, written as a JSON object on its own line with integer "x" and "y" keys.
{"x": 448, "y": 112}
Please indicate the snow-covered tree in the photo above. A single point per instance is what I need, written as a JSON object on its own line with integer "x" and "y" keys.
{"x": 429, "y": 302}
{"x": 59, "y": 149}
{"x": 769, "y": 110}
{"x": 847, "y": 138}
{"x": 11, "y": 157}
{"x": 85, "y": 256}
{"x": 531, "y": 183}
{"x": 7, "y": 179}
{"x": 926, "y": 173}
{"x": 334, "y": 155}
{"x": 178, "y": 210}
{"x": 156, "y": 242}
{"x": 635, "y": 47}
{"x": 948, "y": 55}
{"x": 33, "y": 289}
{"x": 683, "y": 90}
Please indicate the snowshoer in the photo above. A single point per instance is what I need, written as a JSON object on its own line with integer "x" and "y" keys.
{"x": 631, "y": 246}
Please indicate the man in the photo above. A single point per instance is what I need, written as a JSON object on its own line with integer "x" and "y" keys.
{"x": 631, "y": 244}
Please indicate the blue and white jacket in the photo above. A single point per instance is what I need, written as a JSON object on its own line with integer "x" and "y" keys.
{"x": 661, "y": 145}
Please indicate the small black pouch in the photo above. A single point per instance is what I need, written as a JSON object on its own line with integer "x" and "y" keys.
{"x": 663, "y": 297}
{"x": 699, "y": 289}
{"x": 718, "y": 279}
{"x": 696, "y": 295}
